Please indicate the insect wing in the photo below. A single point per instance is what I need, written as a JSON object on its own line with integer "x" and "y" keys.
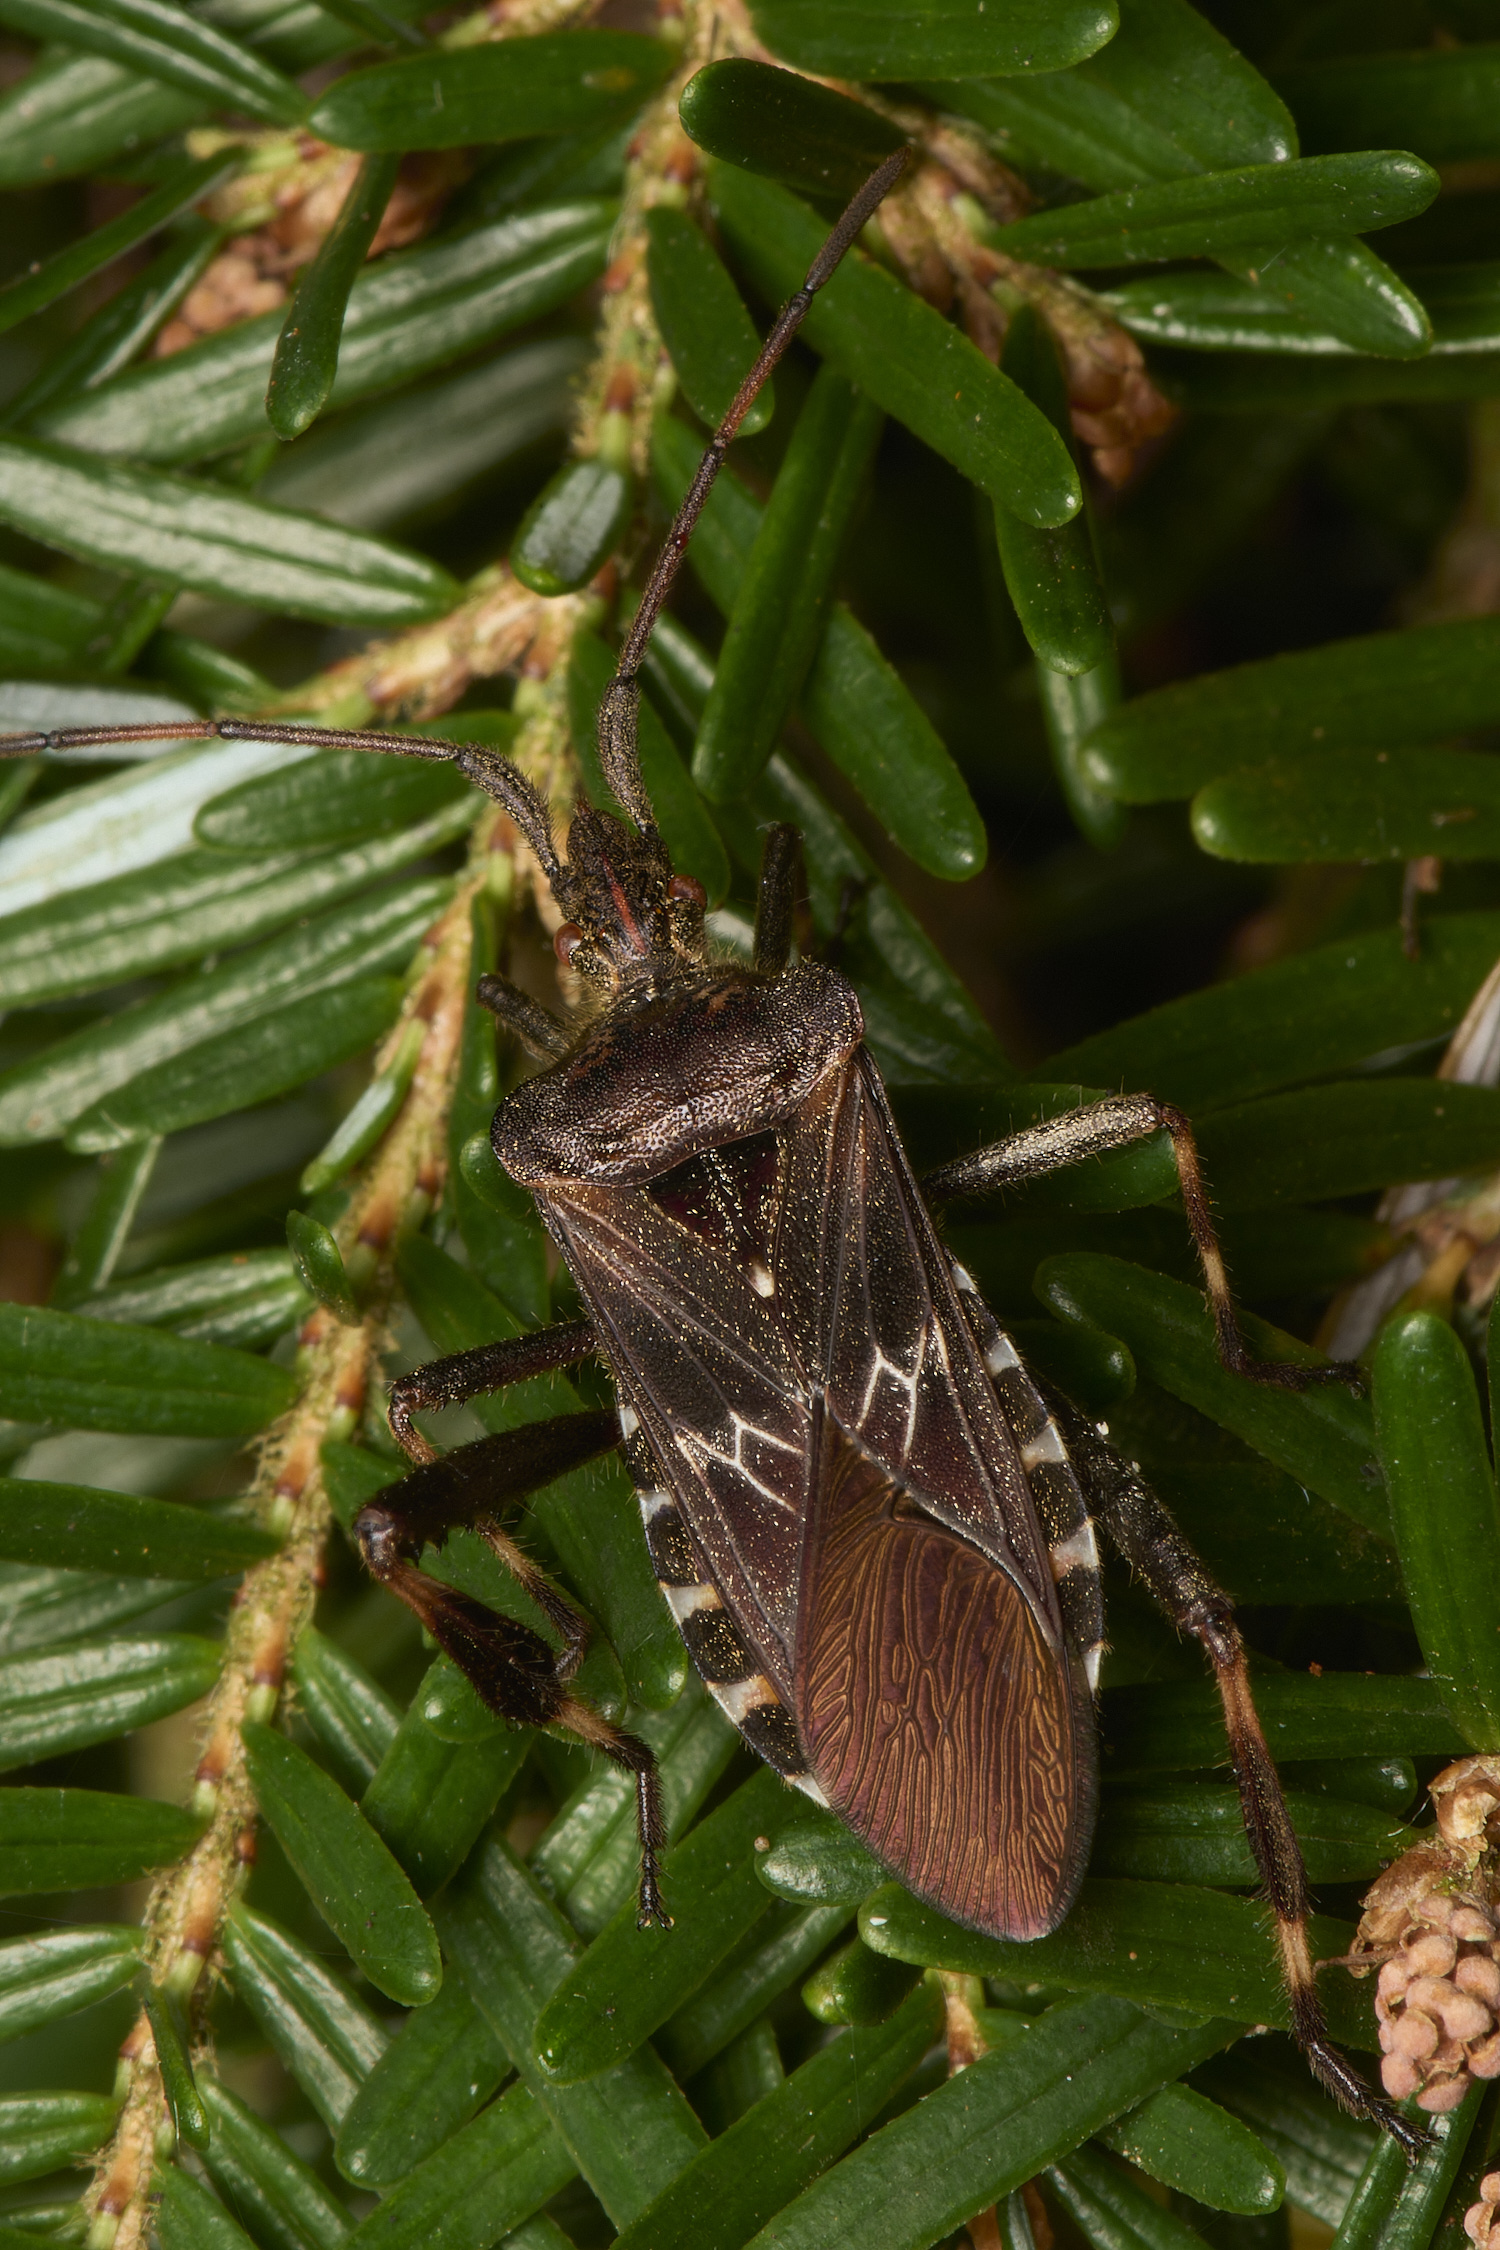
{"x": 869, "y": 1296}
{"x": 935, "y": 1717}
{"x": 704, "y": 1360}
{"x": 845, "y": 1526}
{"x": 937, "y": 1704}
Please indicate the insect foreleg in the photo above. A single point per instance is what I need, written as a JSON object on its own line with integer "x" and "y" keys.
{"x": 513, "y": 1668}
{"x": 1178, "y": 1583}
{"x": 1094, "y": 1130}
{"x": 489, "y": 1367}
{"x": 535, "y": 1026}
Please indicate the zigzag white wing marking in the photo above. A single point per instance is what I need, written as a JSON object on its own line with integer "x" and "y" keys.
{"x": 867, "y": 1287}
{"x": 752, "y": 1456}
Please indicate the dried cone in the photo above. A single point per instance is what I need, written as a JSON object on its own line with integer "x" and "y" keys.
{"x": 1480, "y": 2218}
{"x": 1438, "y": 2002}
{"x": 1432, "y": 1922}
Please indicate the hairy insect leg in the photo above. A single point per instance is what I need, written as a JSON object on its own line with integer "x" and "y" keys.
{"x": 466, "y": 1490}
{"x": 535, "y": 1026}
{"x": 1178, "y": 1583}
{"x": 1094, "y": 1130}
{"x": 515, "y": 1671}
{"x": 473, "y": 1374}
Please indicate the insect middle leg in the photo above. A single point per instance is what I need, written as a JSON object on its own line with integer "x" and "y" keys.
{"x": 1092, "y": 1131}
{"x": 1178, "y": 1583}
{"x": 512, "y": 1668}
{"x": 475, "y": 1374}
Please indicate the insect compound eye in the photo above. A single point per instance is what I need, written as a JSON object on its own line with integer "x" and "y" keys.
{"x": 566, "y": 943}
{"x": 688, "y": 889}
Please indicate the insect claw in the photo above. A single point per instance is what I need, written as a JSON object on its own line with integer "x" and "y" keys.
{"x": 1410, "y": 2139}
{"x": 1285, "y": 1375}
{"x": 1344, "y": 1371}
{"x": 1353, "y": 2095}
{"x": 1348, "y": 1372}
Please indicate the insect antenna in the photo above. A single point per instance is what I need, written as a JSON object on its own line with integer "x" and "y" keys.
{"x": 618, "y": 712}
{"x": 502, "y": 781}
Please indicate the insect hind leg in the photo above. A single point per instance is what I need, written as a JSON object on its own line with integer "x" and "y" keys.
{"x": 1093, "y": 1130}
{"x": 516, "y": 1672}
{"x": 1182, "y": 1588}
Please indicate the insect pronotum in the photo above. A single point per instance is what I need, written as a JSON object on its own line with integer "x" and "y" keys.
{"x": 875, "y": 1528}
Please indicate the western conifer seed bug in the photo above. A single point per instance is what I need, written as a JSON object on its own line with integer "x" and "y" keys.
{"x": 875, "y": 1529}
